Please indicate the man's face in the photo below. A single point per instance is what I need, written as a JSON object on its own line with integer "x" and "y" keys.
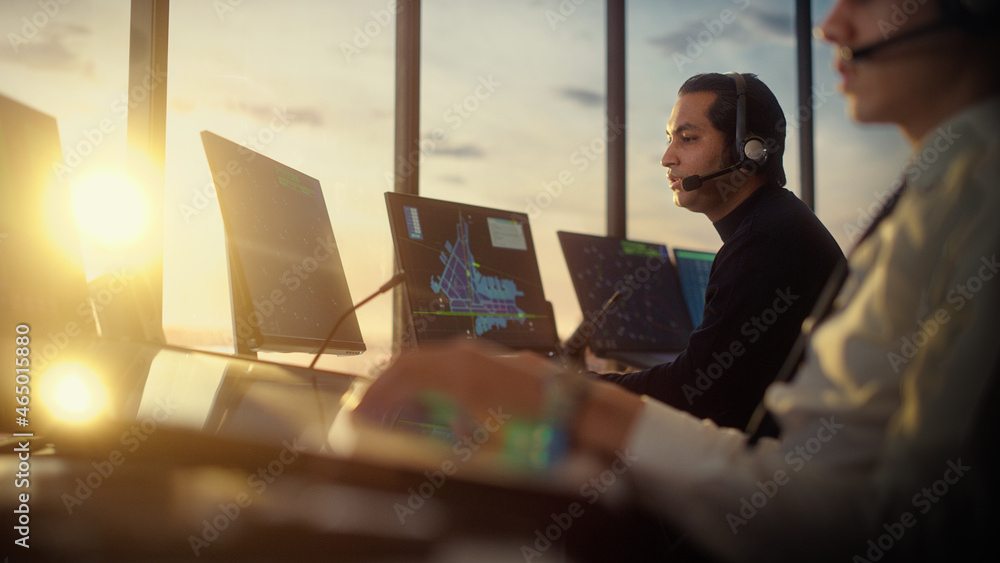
{"x": 894, "y": 83}
{"x": 694, "y": 146}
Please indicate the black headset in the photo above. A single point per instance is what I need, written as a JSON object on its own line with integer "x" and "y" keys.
{"x": 977, "y": 17}
{"x": 748, "y": 148}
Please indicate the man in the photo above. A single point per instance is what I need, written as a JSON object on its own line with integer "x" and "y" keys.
{"x": 888, "y": 432}
{"x": 775, "y": 258}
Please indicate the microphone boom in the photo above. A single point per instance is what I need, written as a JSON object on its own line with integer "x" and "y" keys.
{"x": 694, "y": 181}
{"x": 393, "y": 282}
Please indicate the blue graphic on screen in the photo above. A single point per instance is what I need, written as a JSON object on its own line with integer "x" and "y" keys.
{"x": 471, "y": 272}
{"x": 490, "y": 298}
{"x": 413, "y": 223}
{"x": 694, "y": 268}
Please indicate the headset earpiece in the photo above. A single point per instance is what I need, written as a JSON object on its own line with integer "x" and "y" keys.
{"x": 754, "y": 149}
{"x": 748, "y": 148}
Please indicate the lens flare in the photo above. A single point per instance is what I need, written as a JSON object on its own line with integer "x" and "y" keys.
{"x": 110, "y": 209}
{"x": 73, "y": 393}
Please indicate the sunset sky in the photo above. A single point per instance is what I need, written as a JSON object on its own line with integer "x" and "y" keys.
{"x": 512, "y": 98}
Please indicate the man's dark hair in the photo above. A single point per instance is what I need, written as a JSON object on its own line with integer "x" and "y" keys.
{"x": 764, "y": 116}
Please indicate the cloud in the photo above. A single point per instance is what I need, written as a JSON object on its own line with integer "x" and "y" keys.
{"x": 47, "y": 48}
{"x": 458, "y": 180}
{"x": 679, "y": 41}
{"x": 307, "y": 115}
{"x": 467, "y": 150}
{"x": 750, "y": 26}
{"x": 768, "y": 24}
{"x": 265, "y": 112}
{"x": 586, "y": 98}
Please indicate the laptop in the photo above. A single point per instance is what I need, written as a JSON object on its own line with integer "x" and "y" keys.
{"x": 287, "y": 281}
{"x": 471, "y": 272}
{"x": 694, "y": 268}
{"x": 649, "y": 324}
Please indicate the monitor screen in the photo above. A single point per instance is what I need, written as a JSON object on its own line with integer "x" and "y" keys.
{"x": 45, "y": 306}
{"x": 694, "y": 267}
{"x": 43, "y": 287}
{"x": 471, "y": 272}
{"x": 286, "y": 277}
{"x": 649, "y": 315}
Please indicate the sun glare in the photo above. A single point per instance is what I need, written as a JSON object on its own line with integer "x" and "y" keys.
{"x": 73, "y": 393}
{"x": 110, "y": 209}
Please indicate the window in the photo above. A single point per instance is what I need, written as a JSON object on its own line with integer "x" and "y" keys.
{"x": 309, "y": 84}
{"x": 668, "y": 43}
{"x": 70, "y": 60}
{"x": 512, "y": 96}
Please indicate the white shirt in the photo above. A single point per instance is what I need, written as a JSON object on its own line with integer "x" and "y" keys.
{"x": 891, "y": 383}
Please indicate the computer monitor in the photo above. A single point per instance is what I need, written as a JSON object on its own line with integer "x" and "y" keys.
{"x": 287, "y": 281}
{"x": 45, "y": 307}
{"x": 471, "y": 272}
{"x": 694, "y": 267}
{"x": 43, "y": 287}
{"x": 650, "y": 314}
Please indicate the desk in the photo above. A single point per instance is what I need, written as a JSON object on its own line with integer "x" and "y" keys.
{"x": 212, "y": 457}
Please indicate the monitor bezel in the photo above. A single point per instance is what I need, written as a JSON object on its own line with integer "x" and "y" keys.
{"x": 677, "y": 265}
{"x": 240, "y": 295}
{"x": 668, "y": 268}
{"x": 395, "y": 202}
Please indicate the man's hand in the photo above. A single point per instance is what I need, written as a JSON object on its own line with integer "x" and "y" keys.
{"x": 475, "y": 376}
{"x": 478, "y": 377}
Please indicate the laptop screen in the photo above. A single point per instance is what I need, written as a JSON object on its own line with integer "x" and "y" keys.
{"x": 287, "y": 280}
{"x": 471, "y": 272}
{"x": 650, "y": 315}
{"x": 694, "y": 267}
